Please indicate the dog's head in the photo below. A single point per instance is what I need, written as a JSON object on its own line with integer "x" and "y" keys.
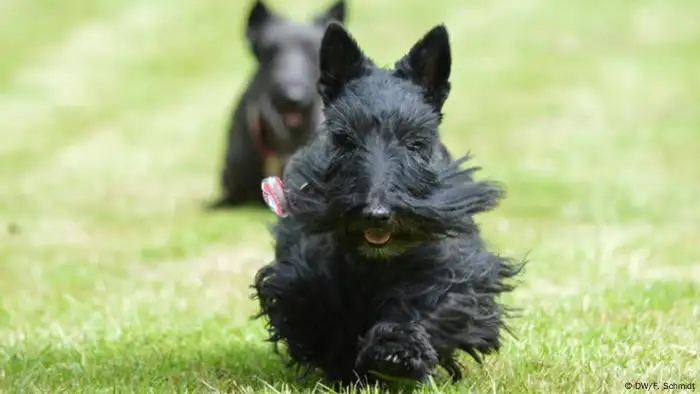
{"x": 287, "y": 55}
{"x": 381, "y": 176}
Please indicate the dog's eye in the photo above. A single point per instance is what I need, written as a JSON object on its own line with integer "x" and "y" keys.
{"x": 416, "y": 145}
{"x": 344, "y": 141}
{"x": 268, "y": 50}
{"x": 420, "y": 149}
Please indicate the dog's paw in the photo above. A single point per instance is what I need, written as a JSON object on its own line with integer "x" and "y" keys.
{"x": 398, "y": 351}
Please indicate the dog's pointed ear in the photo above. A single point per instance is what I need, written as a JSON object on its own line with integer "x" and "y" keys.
{"x": 341, "y": 60}
{"x": 259, "y": 15}
{"x": 336, "y": 13}
{"x": 428, "y": 63}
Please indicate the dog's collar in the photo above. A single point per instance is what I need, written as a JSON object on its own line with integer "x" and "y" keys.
{"x": 272, "y": 165}
{"x": 271, "y": 161}
{"x": 255, "y": 124}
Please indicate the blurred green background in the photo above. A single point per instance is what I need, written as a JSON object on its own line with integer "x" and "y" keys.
{"x": 112, "y": 119}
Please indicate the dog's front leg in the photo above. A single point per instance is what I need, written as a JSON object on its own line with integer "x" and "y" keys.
{"x": 410, "y": 341}
{"x": 400, "y": 350}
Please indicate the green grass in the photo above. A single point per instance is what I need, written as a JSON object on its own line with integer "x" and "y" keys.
{"x": 112, "y": 117}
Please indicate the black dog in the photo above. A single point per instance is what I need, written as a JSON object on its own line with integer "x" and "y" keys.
{"x": 379, "y": 267}
{"x": 280, "y": 108}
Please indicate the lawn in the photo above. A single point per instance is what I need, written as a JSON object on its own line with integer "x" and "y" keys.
{"x": 112, "y": 117}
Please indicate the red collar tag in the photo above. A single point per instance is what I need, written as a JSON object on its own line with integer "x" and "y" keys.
{"x": 273, "y": 194}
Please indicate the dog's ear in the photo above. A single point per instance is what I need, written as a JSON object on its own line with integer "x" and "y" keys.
{"x": 259, "y": 15}
{"x": 428, "y": 63}
{"x": 336, "y": 13}
{"x": 341, "y": 60}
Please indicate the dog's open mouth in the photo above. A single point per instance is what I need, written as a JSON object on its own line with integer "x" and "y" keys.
{"x": 377, "y": 236}
{"x": 293, "y": 118}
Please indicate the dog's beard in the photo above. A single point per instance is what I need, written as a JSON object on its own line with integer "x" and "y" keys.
{"x": 390, "y": 240}
{"x": 390, "y": 251}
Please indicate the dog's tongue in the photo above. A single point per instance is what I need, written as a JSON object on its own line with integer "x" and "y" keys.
{"x": 293, "y": 118}
{"x": 377, "y": 236}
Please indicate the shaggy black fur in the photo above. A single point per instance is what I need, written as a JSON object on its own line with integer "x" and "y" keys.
{"x": 340, "y": 297}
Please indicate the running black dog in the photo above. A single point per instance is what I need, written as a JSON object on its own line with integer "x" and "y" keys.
{"x": 280, "y": 108}
{"x": 380, "y": 269}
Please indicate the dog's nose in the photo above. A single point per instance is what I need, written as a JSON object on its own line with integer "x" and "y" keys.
{"x": 291, "y": 97}
{"x": 294, "y": 94}
{"x": 377, "y": 214}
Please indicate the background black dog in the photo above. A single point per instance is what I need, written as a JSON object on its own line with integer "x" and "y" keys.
{"x": 379, "y": 267}
{"x": 280, "y": 108}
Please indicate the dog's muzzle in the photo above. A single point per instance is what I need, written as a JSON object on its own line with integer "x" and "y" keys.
{"x": 377, "y": 231}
